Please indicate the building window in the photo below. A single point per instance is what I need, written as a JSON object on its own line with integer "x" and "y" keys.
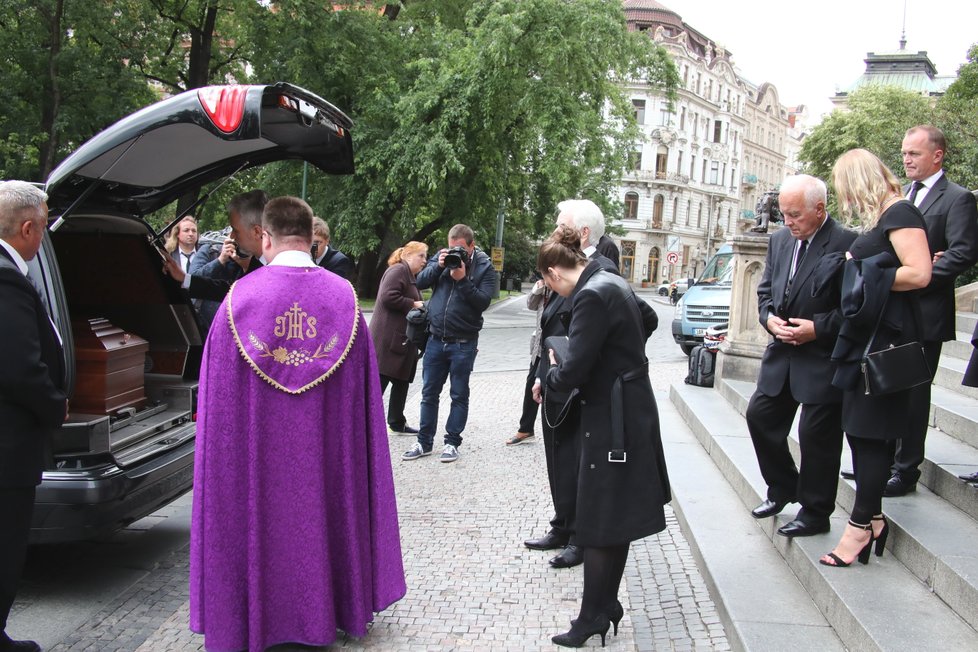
{"x": 715, "y": 172}
{"x": 653, "y": 273}
{"x": 664, "y": 114}
{"x": 685, "y": 255}
{"x": 675, "y": 210}
{"x": 699, "y": 217}
{"x": 657, "y": 205}
{"x": 696, "y": 124}
{"x": 635, "y": 158}
{"x": 689, "y": 210}
{"x": 679, "y": 162}
{"x": 717, "y": 130}
{"x": 627, "y": 260}
{"x": 703, "y": 176}
{"x": 631, "y": 206}
{"x": 692, "y": 167}
{"x": 682, "y": 118}
{"x": 638, "y": 110}
{"x": 661, "y": 158}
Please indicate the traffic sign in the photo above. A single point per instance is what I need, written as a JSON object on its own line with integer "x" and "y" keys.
{"x": 497, "y": 258}
{"x": 672, "y": 257}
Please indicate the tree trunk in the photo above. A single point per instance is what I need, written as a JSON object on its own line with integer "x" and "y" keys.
{"x": 51, "y": 104}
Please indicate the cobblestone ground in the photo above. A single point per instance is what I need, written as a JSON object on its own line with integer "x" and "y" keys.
{"x": 472, "y": 585}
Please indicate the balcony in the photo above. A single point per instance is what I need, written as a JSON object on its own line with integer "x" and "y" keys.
{"x": 749, "y": 180}
{"x": 657, "y": 177}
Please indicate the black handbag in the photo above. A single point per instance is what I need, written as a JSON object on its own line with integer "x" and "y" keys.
{"x": 894, "y": 368}
{"x": 560, "y": 346}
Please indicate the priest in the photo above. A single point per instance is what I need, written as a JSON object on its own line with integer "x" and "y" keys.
{"x": 294, "y": 531}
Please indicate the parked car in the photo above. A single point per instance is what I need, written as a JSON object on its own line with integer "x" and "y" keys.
{"x": 705, "y": 304}
{"x": 100, "y": 261}
{"x": 681, "y": 285}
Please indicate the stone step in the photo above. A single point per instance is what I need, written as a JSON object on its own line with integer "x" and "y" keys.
{"x": 733, "y": 554}
{"x": 965, "y": 321}
{"x": 960, "y": 347}
{"x": 950, "y": 373}
{"x": 952, "y": 442}
{"x": 880, "y": 607}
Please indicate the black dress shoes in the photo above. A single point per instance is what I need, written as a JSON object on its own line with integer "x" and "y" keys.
{"x": 8, "y": 645}
{"x": 768, "y": 508}
{"x": 571, "y": 556}
{"x": 799, "y": 528}
{"x": 970, "y": 477}
{"x": 897, "y": 486}
{"x": 550, "y": 541}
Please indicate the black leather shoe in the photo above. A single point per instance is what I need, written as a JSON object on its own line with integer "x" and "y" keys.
{"x": 897, "y": 486}
{"x": 847, "y": 475}
{"x": 768, "y": 508}
{"x": 970, "y": 477}
{"x": 8, "y": 645}
{"x": 550, "y": 541}
{"x": 571, "y": 556}
{"x": 799, "y": 528}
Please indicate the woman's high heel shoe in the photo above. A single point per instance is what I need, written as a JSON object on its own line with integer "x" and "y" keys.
{"x": 615, "y": 613}
{"x": 582, "y": 630}
{"x": 881, "y": 537}
{"x": 862, "y": 556}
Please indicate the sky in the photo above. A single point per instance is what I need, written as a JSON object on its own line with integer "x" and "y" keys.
{"x": 809, "y": 50}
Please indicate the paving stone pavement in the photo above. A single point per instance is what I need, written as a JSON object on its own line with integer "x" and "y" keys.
{"x": 472, "y": 585}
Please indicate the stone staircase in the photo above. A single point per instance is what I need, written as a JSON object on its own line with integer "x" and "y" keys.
{"x": 771, "y": 592}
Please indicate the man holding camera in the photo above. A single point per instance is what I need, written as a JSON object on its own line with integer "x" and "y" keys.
{"x": 462, "y": 280}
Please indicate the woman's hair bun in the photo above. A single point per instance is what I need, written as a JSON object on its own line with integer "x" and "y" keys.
{"x": 570, "y": 238}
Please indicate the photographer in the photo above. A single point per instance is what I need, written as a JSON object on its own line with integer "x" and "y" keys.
{"x": 462, "y": 280}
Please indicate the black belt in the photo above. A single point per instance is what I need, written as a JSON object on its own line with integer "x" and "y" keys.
{"x": 617, "y": 452}
{"x": 454, "y": 340}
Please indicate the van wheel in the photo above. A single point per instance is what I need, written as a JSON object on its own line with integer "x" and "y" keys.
{"x": 687, "y": 349}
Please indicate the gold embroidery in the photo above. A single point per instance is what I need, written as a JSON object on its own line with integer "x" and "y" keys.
{"x": 294, "y": 357}
{"x": 290, "y": 324}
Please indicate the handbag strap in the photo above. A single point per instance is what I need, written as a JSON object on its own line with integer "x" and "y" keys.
{"x": 916, "y": 322}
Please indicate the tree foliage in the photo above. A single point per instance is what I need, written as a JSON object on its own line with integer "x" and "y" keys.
{"x": 957, "y": 115}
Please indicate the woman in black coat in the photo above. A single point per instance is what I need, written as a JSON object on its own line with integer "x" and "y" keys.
{"x": 893, "y": 230}
{"x": 622, "y": 481}
{"x": 397, "y": 358}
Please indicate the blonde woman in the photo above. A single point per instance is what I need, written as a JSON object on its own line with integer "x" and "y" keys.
{"x": 891, "y": 225}
{"x": 397, "y": 358}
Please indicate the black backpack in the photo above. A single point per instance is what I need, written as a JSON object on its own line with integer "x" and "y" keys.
{"x": 701, "y": 366}
{"x": 417, "y": 331}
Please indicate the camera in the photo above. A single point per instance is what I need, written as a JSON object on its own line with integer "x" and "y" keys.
{"x": 455, "y": 257}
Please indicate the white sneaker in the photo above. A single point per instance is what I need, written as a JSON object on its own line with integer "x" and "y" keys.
{"x": 449, "y": 454}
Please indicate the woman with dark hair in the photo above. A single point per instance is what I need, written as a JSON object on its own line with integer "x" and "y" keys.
{"x": 622, "y": 481}
{"x": 397, "y": 358}
{"x": 894, "y": 240}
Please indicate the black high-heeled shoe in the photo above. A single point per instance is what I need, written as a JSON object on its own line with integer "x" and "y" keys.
{"x": 615, "y": 613}
{"x": 582, "y": 630}
{"x": 862, "y": 556}
{"x": 881, "y": 537}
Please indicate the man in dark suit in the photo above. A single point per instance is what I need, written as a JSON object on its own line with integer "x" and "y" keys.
{"x": 952, "y": 233}
{"x": 607, "y": 247}
{"x": 243, "y": 246}
{"x": 796, "y": 368}
{"x": 32, "y": 386}
{"x": 182, "y": 242}
{"x": 328, "y": 258}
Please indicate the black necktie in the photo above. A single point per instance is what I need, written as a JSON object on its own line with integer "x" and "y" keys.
{"x": 914, "y": 187}
{"x": 791, "y": 276}
{"x": 801, "y": 256}
{"x": 186, "y": 266}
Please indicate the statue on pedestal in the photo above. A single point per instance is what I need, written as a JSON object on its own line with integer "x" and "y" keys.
{"x": 767, "y": 209}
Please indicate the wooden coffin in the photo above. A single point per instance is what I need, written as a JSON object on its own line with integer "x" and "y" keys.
{"x": 110, "y": 366}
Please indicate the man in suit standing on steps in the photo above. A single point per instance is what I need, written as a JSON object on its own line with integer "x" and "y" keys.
{"x": 796, "y": 368}
{"x": 952, "y": 233}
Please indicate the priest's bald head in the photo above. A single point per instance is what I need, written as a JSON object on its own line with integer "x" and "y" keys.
{"x": 287, "y": 223}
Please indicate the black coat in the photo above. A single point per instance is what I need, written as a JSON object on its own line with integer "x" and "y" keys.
{"x": 32, "y": 379}
{"x": 952, "y": 227}
{"x": 616, "y": 503}
{"x": 215, "y": 289}
{"x": 337, "y": 262}
{"x": 807, "y": 367}
{"x": 396, "y": 357}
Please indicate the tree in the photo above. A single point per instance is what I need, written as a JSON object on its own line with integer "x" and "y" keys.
{"x": 957, "y": 116}
{"x": 877, "y": 119}
{"x": 463, "y": 109}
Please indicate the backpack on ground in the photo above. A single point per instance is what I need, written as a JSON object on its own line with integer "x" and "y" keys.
{"x": 702, "y": 362}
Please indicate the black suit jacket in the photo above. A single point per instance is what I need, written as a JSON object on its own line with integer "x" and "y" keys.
{"x": 806, "y": 368}
{"x": 337, "y": 262}
{"x": 952, "y": 227}
{"x": 607, "y": 247}
{"x": 215, "y": 289}
{"x": 32, "y": 379}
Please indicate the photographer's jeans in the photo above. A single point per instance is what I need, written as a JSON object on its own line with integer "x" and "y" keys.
{"x": 451, "y": 361}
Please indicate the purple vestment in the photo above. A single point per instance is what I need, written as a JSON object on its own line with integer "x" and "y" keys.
{"x": 294, "y": 531}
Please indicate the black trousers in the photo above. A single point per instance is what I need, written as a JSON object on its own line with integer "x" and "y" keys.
{"x": 910, "y": 450}
{"x": 395, "y": 405}
{"x": 530, "y": 407}
{"x": 769, "y": 421}
{"x": 16, "y": 508}
{"x": 562, "y": 448}
{"x": 870, "y": 458}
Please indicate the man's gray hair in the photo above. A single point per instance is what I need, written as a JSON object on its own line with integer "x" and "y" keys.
{"x": 584, "y": 212}
{"x": 249, "y": 205}
{"x": 813, "y": 189}
{"x": 15, "y": 197}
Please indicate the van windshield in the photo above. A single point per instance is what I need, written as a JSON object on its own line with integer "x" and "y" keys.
{"x": 719, "y": 271}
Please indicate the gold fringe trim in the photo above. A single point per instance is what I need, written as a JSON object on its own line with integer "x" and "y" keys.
{"x": 271, "y": 381}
